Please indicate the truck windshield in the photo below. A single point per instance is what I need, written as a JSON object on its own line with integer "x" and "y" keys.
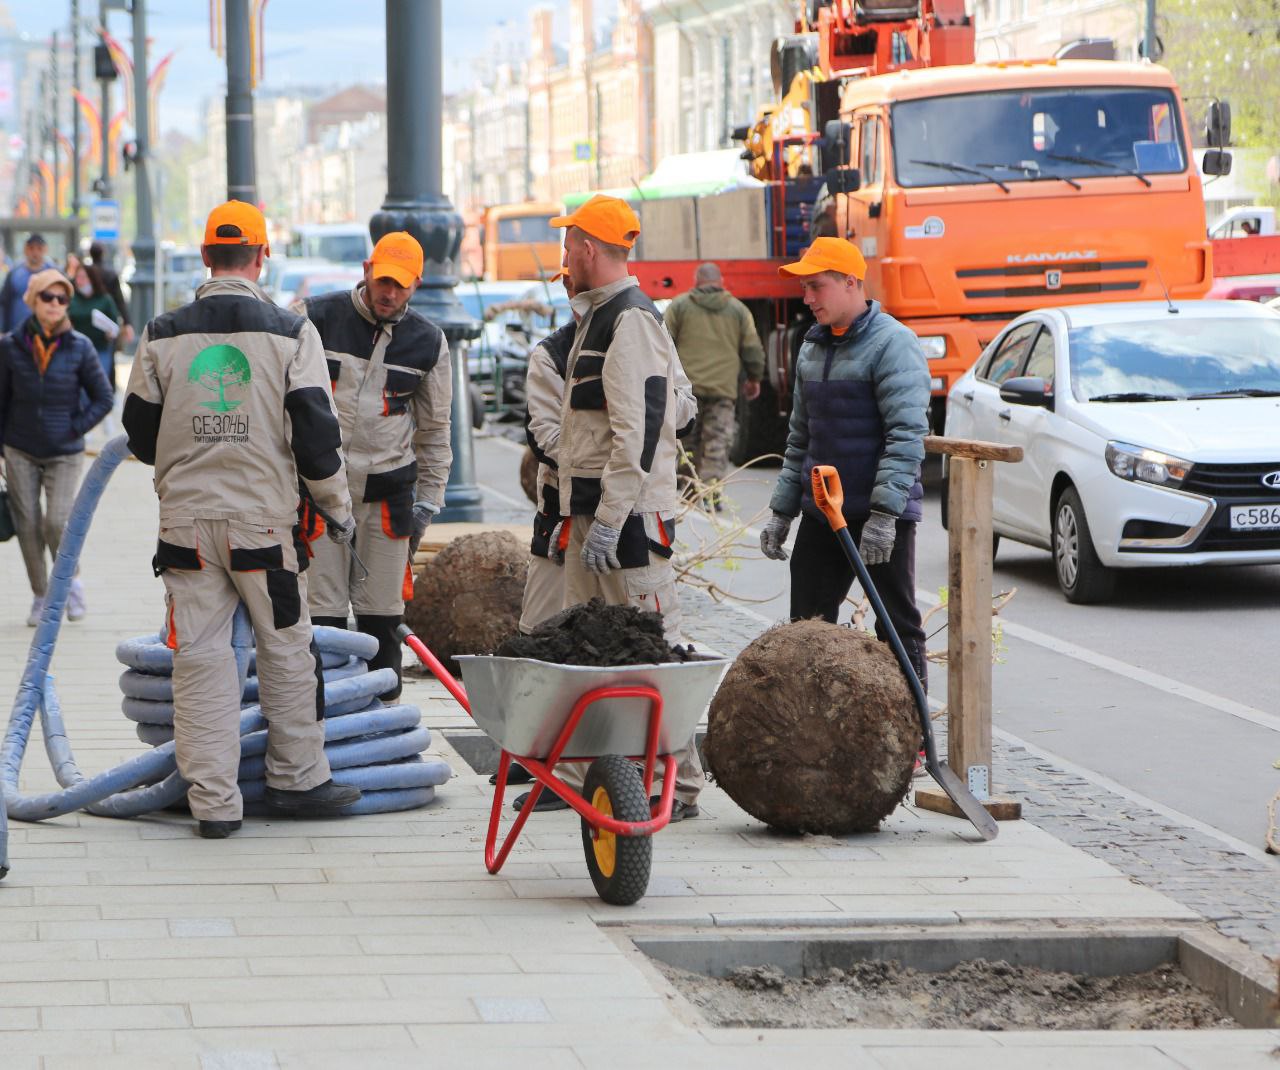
{"x": 1071, "y": 132}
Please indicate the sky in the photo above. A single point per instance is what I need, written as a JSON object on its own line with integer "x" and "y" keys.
{"x": 319, "y": 43}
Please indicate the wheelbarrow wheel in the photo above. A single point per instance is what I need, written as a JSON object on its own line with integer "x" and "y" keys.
{"x": 619, "y": 865}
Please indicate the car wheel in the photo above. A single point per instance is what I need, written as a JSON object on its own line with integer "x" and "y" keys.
{"x": 995, "y": 547}
{"x": 477, "y": 406}
{"x": 1083, "y": 578}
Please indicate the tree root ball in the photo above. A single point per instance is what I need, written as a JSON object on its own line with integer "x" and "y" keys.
{"x": 814, "y": 730}
{"x": 529, "y": 475}
{"x": 467, "y": 598}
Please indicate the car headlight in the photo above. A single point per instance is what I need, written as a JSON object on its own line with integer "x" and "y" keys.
{"x": 934, "y": 346}
{"x": 1146, "y": 466}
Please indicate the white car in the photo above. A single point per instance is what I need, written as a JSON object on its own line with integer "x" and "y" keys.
{"x": 1150, "y": 436}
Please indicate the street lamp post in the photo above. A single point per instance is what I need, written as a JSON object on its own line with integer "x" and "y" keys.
{"x": 416, "y": 203}
{"x": 241, "y": 174}
{"x": 144, "y": 244}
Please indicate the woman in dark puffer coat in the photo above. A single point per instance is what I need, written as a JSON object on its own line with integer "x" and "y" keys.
{"x": 52, "y": 390}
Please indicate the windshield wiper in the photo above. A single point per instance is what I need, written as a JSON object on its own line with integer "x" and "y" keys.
{"x": 1243, "y": 392}
{"x": 962, "y": 170}
{"x": 1089, "y": 161}
{"x": 1034, "y": 173}
{"x": 1135, "y": 396}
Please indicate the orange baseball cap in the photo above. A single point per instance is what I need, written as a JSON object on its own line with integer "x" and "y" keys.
{"x": 610, "y": 219}
{"x": 236, "y": 223}
{"x": 828, "y": 254}
{"x": 397, "y": 256}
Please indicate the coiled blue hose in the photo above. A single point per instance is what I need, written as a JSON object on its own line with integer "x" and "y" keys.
{"x": 375, "y": 747}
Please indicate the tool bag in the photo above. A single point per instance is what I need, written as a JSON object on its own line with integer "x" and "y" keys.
{"x": 7, "y": 530}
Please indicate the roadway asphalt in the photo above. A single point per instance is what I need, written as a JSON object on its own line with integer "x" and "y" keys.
{"x": 1171, "y": 691}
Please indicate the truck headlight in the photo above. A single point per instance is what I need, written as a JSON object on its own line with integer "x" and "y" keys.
{"x": 934, "y": 346}
{"x": 1146, "y": 466}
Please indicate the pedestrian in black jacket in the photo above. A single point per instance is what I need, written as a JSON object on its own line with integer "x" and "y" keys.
{"x": 52, "y": 390}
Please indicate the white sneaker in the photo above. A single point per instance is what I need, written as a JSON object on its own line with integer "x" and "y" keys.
{"x": 75, "y": 601}
{"x": 37, "y": 611}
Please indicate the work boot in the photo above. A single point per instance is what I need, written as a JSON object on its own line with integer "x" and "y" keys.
{"x": 679, "y": 810}
{"x": 547, "y": 802}
{"x": 217, "y": 830}
{"x": 324, "y": 800}
{"x": 76, "y": 607}
{"x": 390, "y": 651}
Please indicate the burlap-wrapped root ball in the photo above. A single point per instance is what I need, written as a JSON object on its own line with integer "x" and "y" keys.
{"x": 529, "y": 475}
{"x": 467, "y": 597}
{"x": 814, "y": 730}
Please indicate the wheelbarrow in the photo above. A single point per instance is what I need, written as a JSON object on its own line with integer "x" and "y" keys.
{"x": 541, "y": 713}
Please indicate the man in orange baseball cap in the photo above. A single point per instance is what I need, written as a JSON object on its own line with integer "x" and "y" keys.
{"x": 239, "y": 224}
{"x": 860, "y": 403}
{"x": 389, "y": 371}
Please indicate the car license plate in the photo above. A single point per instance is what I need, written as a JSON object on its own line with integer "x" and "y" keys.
{"x": 1255, "y": 517}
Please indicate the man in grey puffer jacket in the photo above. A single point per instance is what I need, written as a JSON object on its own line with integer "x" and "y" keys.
{"x": 860, "y": 403}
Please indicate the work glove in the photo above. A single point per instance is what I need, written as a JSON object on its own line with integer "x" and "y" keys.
{"x": 423, "y": 514}
{"x": 773, "y": 536}
{"x": 555, "y": 552}
{"x": 878, "y": 534}
{"x": 341, "y": 531}
{"x": 600, "y": 548}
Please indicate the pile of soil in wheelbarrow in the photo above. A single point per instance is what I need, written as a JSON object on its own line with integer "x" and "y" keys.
{"x": 467, "y": 598}
{"x": 597, "y": 634}
{"x": 814, "y": 729}
{"x": 972, "y": 995}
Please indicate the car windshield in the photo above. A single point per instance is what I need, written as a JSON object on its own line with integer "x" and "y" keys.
{"x": 1030, "y": 135}
{"x": 1176, "y": 358}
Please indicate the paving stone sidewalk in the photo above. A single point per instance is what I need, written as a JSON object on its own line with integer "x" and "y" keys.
{"x": 381, "y": 941}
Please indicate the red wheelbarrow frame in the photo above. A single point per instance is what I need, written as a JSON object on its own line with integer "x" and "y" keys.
{"x": 541, "y": 768}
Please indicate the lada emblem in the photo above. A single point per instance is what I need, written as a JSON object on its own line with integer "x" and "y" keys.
{"x": 1053, "y": 280}
{"x": 1272, "y": 480}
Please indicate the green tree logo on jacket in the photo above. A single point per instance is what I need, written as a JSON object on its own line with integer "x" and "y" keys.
{"x": 216, "y": 368}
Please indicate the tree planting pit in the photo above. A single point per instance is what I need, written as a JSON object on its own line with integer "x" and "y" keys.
{"x": 1053, "y": 978}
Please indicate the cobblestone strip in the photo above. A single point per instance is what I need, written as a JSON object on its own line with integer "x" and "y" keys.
{"x": 1238, "y": 893}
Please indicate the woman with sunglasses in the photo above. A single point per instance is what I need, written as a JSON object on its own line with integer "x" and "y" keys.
{"x": 52, "y": 390}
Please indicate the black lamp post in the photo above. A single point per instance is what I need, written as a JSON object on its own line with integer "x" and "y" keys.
{"x": 416, "y": 203}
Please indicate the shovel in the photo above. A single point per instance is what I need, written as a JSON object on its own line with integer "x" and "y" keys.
{"x": 829, "y": 497}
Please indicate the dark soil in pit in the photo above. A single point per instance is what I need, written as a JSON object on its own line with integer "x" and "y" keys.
{"x": 596, "y": 634}
{"x": 973, "y": 995}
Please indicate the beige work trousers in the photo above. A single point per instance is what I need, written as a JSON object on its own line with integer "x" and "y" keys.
{"x": 200, "y": 603}
{"x": 543, "y": 592}
{"x": 652, "y": 587}
{"x": 336, "y": 582}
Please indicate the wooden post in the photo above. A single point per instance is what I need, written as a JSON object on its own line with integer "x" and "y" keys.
{"x": 971, "y": 468}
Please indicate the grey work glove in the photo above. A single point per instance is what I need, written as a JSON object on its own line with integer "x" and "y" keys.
{"x": 773, "y": 536}
{"x": 423, "y": 514}
{"x": 878, "y": 534}
{"x": 341, "y": 531}
{"x": 600, "y": 548}
{"x": 555, "y": 553}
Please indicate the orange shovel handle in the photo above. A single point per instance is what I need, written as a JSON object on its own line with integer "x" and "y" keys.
{"x": 828, "y": 495}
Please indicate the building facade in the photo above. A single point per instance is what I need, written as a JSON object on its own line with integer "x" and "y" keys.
{"x": 1031, "y": 29}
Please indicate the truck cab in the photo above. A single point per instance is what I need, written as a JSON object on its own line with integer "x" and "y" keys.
{"x": 986, "y": 190}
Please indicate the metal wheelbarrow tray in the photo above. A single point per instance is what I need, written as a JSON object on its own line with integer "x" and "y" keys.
{"x": 542, "y": 713}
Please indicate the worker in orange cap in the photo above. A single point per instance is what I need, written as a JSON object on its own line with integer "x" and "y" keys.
{"x": 616, "y": 453}
{"x": 390, "y": 375}
{"x": 229, "y": 400}
{"x": 860, "y": 403}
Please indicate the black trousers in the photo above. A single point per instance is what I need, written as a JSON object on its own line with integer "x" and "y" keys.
{"x": 389, "y": 655}
{"x": 821, "y": 577}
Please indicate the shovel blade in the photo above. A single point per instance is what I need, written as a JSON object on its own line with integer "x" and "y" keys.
{"x": 959, "y": 794}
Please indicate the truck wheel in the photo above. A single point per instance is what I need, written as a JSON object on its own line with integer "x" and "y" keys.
{"x": 1084, "y": 579}
{"x": 619, "y": 865}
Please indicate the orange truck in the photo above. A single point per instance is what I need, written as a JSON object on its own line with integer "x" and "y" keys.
{"x": 519, "y": 241}
{"x": 975, "y": 191}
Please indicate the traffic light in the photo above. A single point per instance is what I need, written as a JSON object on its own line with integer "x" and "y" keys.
{"x": 104, "y": 68}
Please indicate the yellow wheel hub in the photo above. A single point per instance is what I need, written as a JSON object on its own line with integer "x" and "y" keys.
{"x": 606, "y": 843}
